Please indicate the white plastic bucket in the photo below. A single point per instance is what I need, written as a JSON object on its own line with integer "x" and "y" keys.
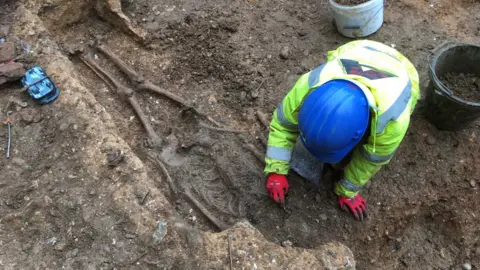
{"x": 360, "y": 20}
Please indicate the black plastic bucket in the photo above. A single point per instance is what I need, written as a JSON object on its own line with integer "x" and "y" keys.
{"x": 443, "y": 109}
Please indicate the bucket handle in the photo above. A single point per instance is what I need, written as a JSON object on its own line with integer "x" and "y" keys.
{"x": 443, "y": 45}
{"x": 356, "y": 27}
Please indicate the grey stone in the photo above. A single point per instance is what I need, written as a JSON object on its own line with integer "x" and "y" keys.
{"x": 63, "y": 127}
{"x": 473, "y": 183}
{"x": 430, "y": 140}
{"x": 60, "y": 246}
{"x": 285, "y": 53}
{"x": 243, "y": 95}
{"x": 255, "y": 93}
{"x": 287, "y": 243}
{"x": 160, "y": 233}
{"x": 18, "y": 161}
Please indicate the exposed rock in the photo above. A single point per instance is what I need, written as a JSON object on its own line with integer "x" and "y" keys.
{"x": 249, "y": 249}
{"x": 7, "y": 51}
{"x": 11, "y": 72}
{"x": 111, "y": 11}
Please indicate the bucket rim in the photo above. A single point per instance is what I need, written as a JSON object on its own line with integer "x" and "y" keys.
{"x": 363, "y": 5}
{"x": 436, "y": 53}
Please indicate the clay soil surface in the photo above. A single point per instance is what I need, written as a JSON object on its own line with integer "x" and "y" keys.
{"x": 230, "y": 59}
{"x": 465, "y": 86}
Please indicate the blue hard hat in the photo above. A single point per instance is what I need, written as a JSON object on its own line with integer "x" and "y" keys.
{"x": 333, "y": 119}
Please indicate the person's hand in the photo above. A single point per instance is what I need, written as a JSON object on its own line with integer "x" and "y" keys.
{"x": 356, "y": 205}
{"x": 277, "y": 186}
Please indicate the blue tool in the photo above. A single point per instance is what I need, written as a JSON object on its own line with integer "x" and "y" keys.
{"x": 39, "y": 86}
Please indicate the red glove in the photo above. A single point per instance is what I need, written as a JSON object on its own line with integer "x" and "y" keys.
{"x": 357, "y": 206}
{"x": 277, "y": 186}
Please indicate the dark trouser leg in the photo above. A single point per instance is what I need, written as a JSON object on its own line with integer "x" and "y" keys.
{"x": 306, "y": 165}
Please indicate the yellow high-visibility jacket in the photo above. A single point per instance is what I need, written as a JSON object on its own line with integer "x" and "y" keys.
{"x": 393, "y": 83}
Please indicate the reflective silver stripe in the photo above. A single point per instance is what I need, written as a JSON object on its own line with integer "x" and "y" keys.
{"x": 283, "y": 120}
{"x": 375, "y": 158}
{"x": 279, "y": 153}
{"x": 350, "y": 186}
{"x": 396, "y": 109}
{"x": 375, "y": 50}
{"x": 314, "y": 77}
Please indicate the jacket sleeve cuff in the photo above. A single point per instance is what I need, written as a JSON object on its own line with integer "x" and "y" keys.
{"x": 276, "y": 166}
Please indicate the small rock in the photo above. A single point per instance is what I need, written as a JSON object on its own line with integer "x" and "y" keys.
{"x": 323, "y": 217}
{"x": 75, "y": 252}
{"x": 287, "y": 243}
{"x": 302, "y": 33}
{"x": 60, "y": 246}
{"x": 11, "y": 72}
{"x": 63, "y": 127}
{"x": 52, "y": 241}
{"x": 27, "y": 118}
{"x": 18, "y": 161}
{"x": 467, "y": 266}
{"x": 114, "y": 158}
{"x": 473, "y": 183}
{"x": 430, "y": 140}
{"x": 243, "y": 95}
{"x": 37, "y": 118}
{"x": 285, "y": 53}
{"x": 129, "y": 236}
{"x": 160, "y": 233}
{"x": 255, "y": 93}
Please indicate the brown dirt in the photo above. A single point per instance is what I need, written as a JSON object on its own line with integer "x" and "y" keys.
{"x": 465, "y": 86}
{"x": 423, "y": 205}
{"x": 351, "y": 2}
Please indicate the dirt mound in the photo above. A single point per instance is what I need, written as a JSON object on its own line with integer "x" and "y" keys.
{"x": 465, "y": 86}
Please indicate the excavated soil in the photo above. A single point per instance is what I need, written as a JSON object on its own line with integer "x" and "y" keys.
{"x": 465, "y": 86}
{"x": 231, "y": 58}
{"x": 351, "y": 2}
